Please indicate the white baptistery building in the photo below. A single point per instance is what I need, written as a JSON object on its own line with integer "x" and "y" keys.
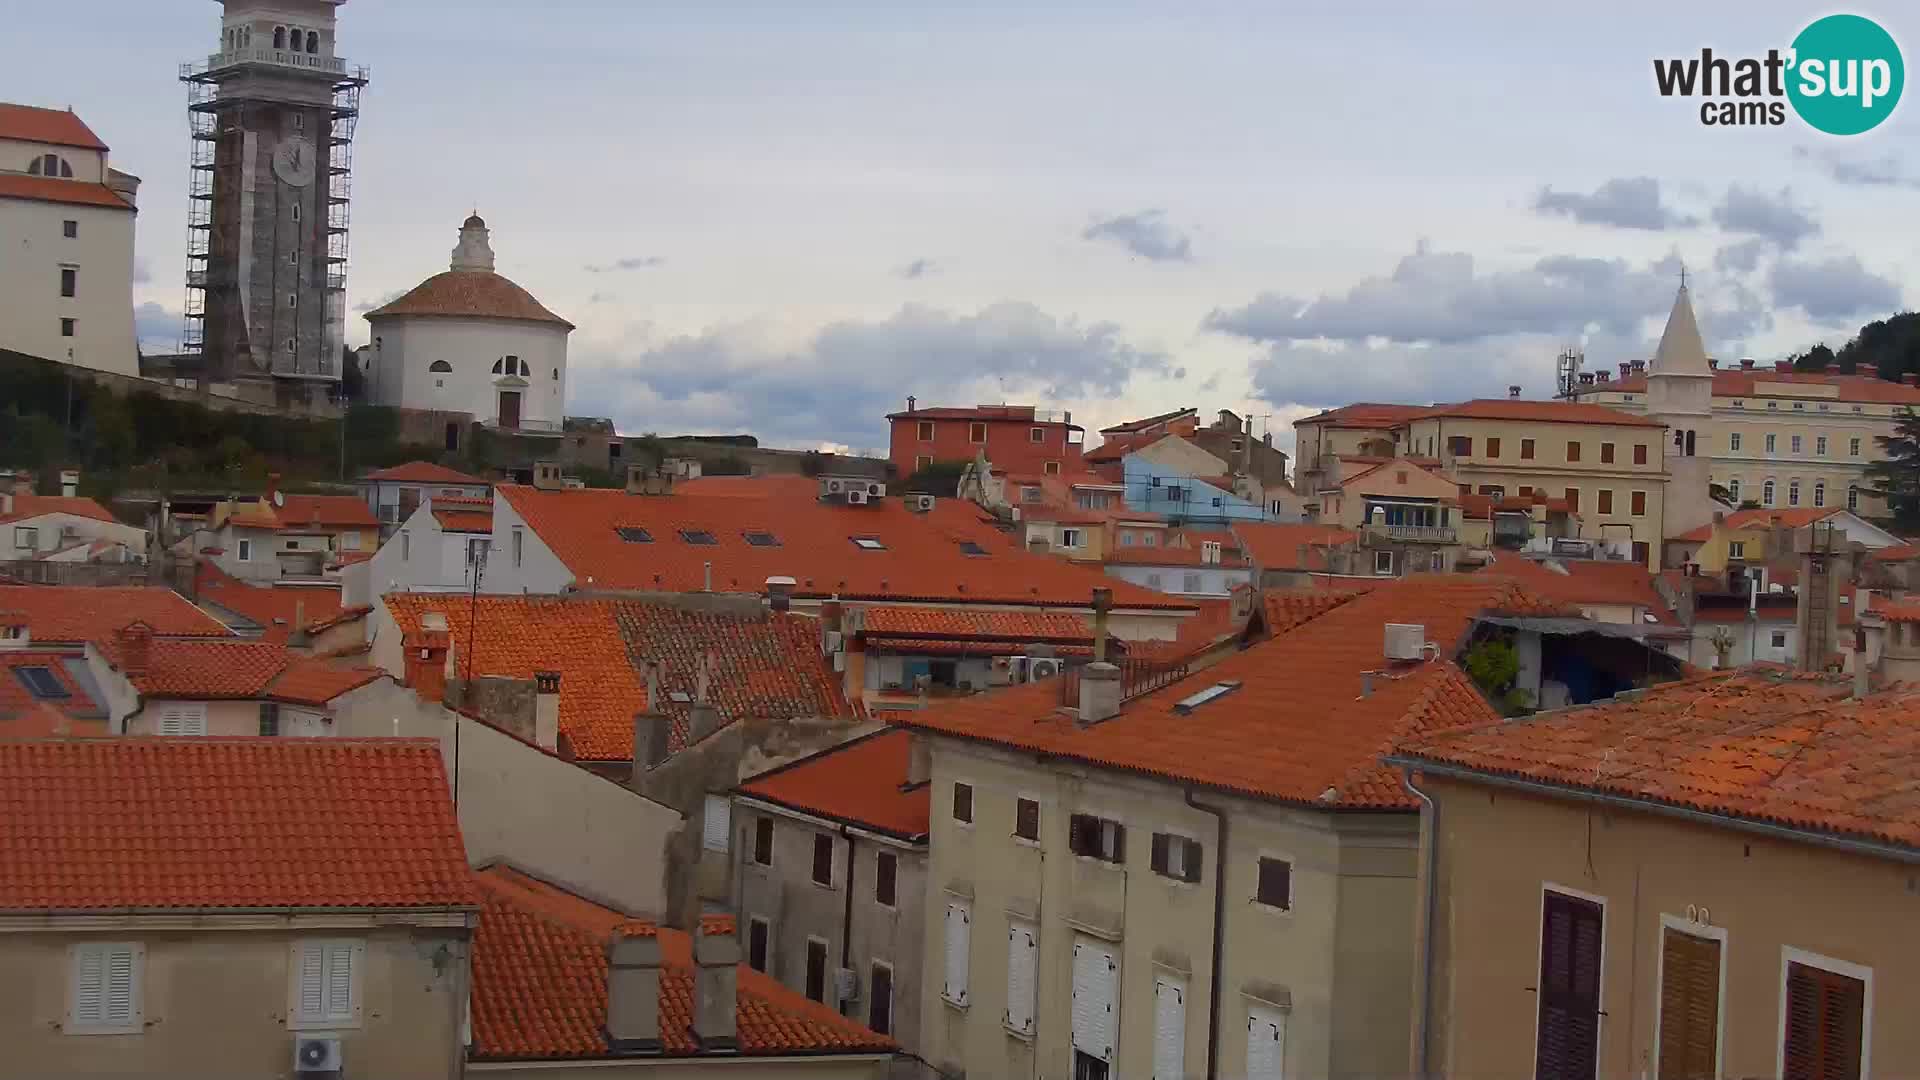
{"x": 471, "y": 341}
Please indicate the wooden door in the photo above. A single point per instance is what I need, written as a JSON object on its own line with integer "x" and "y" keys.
{"x": 510, "y": 409}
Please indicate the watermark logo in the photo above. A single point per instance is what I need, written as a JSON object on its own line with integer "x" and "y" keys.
{"x": 1842, "y": 75}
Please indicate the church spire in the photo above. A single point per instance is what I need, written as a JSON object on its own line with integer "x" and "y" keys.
{"x": 1681, "y": 351}
{"x": 473, "y": 252}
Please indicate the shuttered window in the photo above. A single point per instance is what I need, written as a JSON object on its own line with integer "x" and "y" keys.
{"x": 880, "y": 1008}
{"x": 1689, "y": 1006}
{"x": 1096, "y": 1004}
{"x": 886, "y": 866}
{"x": 1097, "y": 837}
{"x": 959, "y": 938}
{"x": 763, "y": 841}
{"x": 183, "y": 718}
{"x": 822, "y": 859}
{"x": 816, "y": 969}
{"x": 1567, "y": 1044}
{"x": 1826, "y": 1013}
{"x": 1266, "y": 1044}
{"x": 1023, "y": 963}
{"x": 1169, "y": 1028}
{"x": 105, "y": 992}
{"x": 717, "y": 824}
{"x": 758, "y": 932}
{"x": 325, "y": 983}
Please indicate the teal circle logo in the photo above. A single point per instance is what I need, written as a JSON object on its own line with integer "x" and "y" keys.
{"x": 1846, "y": 74}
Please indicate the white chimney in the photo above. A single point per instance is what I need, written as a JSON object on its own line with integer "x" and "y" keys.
{"x": 546, "y": 709}
{"x": 633, "y": 994}
{"x": 69, "y": 482}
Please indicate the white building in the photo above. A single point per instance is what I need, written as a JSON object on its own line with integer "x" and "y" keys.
{"x": 66, "y": 220}
{"x": 65, "y": 529}
{"x": 471, "y": 341}
{"x": 393, "y": 494}
{"x": 435, "y": 549}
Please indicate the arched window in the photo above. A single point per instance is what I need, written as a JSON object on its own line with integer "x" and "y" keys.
{"x": 246, "y": 36}
{"x": 497, "y": 365}
{"x": 1819, "y": 493}
{"x": 1793, "y": 493}
{"x": 440, "y": 367}
{"x": 279, "y": 37}
{"x": 313, "y": 41}
{"x": 1853, "y": 497}
{"x": 50, "y": 165}
{"x": 1766, "y": 493}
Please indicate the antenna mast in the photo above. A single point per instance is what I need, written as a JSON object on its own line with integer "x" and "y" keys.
{"x": 1567, "y": 371}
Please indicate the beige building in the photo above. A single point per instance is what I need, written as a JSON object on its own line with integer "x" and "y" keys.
{"x": 162, "y": 916}
{"x": 1694, "y": 882}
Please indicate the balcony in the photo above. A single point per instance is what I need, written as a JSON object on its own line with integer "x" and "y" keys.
{"x": 332, "y": 65}
{"x": 525, "y": 427}
{"x": 1415, "y": 534}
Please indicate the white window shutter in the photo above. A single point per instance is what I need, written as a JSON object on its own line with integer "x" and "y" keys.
{"x": 959, "y": 935}
{"x": 1096, "y": 974}
{"x": 1169, "y": 1028}
{"x": 121, "y": 976}
{"x": 1023, "y": 953}
{"x": 89, "y": 984}
{"x": 1266, "y": 1044}
{"x": 718, "y": 823}
{"x": 339, "y": 990}
{"x": 180, "y": 718}
{"x": 313, "y": 981}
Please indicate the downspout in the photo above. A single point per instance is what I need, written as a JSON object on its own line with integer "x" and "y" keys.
{"x": 846, "y": 918}
{"x": 1423, "y": 1018}
{"x": 1219, "y": 937}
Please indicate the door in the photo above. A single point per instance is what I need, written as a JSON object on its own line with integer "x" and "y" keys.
{"x": 510, "y": 409}
{"x": 1689, "y": 1006}
{"x": 1567, "y": 1040}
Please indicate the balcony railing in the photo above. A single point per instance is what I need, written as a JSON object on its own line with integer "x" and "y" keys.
{"x": 1417, "y": 534}
{"x": 527, "y": 427}
{"x": 1138, "y": 675}
{"x": 334, "y": 65}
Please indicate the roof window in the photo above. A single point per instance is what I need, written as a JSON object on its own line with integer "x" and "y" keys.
{"x": 868, "y": 543}
{"x": 698, "y": 536}
{"x": 969, "y": 547}
{"x": 761, "y": 538}
{"x": 1218, "y": 690}
{"x": 633, "y": 534}
{"x": 41, "y": 683}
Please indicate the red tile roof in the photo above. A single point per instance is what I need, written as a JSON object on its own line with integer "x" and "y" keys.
{"x": 17, "y": 701}
{"x": 1285, "y": 609}
{"x": 1792, "y": 518}
{"x": 274, "y": 608}
{"x": 922, "y": 558}
{"x": 1735, "y": 383}
{"x": 234, "y": 670}
{"x": 1024, "y": 414}
{"x": 1182, "y": 547}
{"x": 1896, "y": 553}
{"x": 470, "y": 294}
{"x": 540, "y": 984}
{"x": 462, "y": 520}
{"x": 1277, "y": 546}
{"x": 926, "y": 622}
{"x": 1157, "y": 420}
{"x": 422, "y": 472}
{"x": 69, "y": 192}
{"x": 1755, "y": 745}
{"x": 1558, "y": 412}
{"x": 30, "y": 506}
{"x": 861, "y": 782}
{"x": 300, "y": 512}
{"x": 1585, "y": 582}
{"x": 137, "y": 824}
{"x": 765, "y": 667}
{"x": 55, "y": 127}
{"x": 1271, "y": 738}
{"x": 78, "y": 613}
{"x": 1365, "y": 414}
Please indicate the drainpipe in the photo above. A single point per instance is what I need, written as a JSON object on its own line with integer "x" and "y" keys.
{"x": 1424, "y": 1017}
{"x": 1219, "y": 926}
{"x": 846, "y": 921}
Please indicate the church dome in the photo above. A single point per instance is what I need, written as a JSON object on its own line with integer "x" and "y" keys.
{"x": 474, "y": 294}
{"x": 474, "y": 221}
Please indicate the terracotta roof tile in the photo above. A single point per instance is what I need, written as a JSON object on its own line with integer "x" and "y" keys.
{"x": 300, "y": 512}
{"x": 462, "y": 520}
{"x": 1756, "y": 745}
{"x": 55, "y": 127}
{"x": 29, "y": 506}
{"x": 540, "y": 984}
{"x": 1585, "y": 582}
{"x": 1366, "y": 414}
{"x": 1024, "y": 414}
{"x": 1896, "y": 553}
{"x": 921, "y": 558}
{"x": 470, "y": 294}
{"x": 234, "y": 670}
{"x": 227, "y": 823}
{"x": 1277, "y": 546}
{"x": 422, "y": 472}
{"x": 861, "y": 782}
{"x": 908, "y": 622}
{"x": 1792, "y": 518}
{"x": 17, "y": 699}
{"x": 275, "y": 609}
{"x": 78, "y": 613}
{"x": 69, "y": 192}
{"x": 1558, "y": 412}
{"x": 1736, "y": 383}
{"x": 1285, "y": 609}
{"x": 1183, "y": 547}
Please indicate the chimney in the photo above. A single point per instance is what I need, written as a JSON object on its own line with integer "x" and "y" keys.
{"x": 633, "y": 994}
{"x": 546, "y": 709}
{"x": 1909, "y": 379}
{"x": 1746, "y": 363}
{"x": 1782, "y": 367}
{"x": 652, "y": 678}
{"x": 716, "y": 995}
{"x": 70, "y": 482}
{"x": 136, "y": 647}
{"x": 1099, "y": 692}
{"x": 650, "y": 730}
{"x": 14, "y": 631}
{"x": 637, "y": 476}
{"x": 1833, "y": 369}
{"x": 546, "y": 476}
{"x": 1862, "y": 685}
{"x": 1639, "y": 366}
{"x": 1603, "y": 376}
{"x": 706, "y": 578}
{"x": 703, "y": 678}
{"x": 6, "y": 503}
{"x": 1713, "y": 364}
{"x": 910, "y": 402}
{"x": 297, "y": 636}
{"x": 1626, "y": 368}
{"x": 1513, "y": 391}
{"x": 702, "y": 720}
{"x": 780, "y": 592}
{"x": 1102, "y": 603}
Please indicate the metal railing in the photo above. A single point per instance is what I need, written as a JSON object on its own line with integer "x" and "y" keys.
{"x": 530, "y": 427}
{"x": 1424, "y": 534}
{"x": 335, "y": 65}
{"x": 1138, "y": 675}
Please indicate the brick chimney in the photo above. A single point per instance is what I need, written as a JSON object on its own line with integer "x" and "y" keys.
{"x": 633, "y": 995}
{"x": 136, "y": 648}
{"x": 426, "y": 670}
{"x": 1513, "y": 391}
{"x": 546, "y": 709}
{"x": 1783, "y": 367}
{"x": 716, "y": 993}
{"x": 1746, "y": 363}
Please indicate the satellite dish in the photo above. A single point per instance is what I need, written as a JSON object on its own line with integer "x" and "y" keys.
{"x": 279, "y": 499}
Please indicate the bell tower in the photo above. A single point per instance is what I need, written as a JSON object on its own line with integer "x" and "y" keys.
{"x": 272, "y": 114}
{"x": 1680, "y": 395}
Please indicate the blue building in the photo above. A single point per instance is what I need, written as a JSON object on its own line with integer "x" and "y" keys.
{"x": 1180, "y": 491}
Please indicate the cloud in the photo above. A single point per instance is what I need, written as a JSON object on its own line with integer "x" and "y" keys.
{"x": 157, "y": 328}
{"x": 1631, "y": 202}
{"x": 631, "y": 262}
{"x": 1835, "y": 289}
{"x": 368, "y": 305}
{"x": 918, "y": 268}
{"x": 1146, "y": 234}
{"x": 603, "y": 298}
{"x": 141, "y": 274}
{"x": 1753, "y": 212}
{"x": 1440, "y": 298}
{"x": 1742, "y": 257}
{"x": 840, "y": 381}
{"x": 1887, "y": 171}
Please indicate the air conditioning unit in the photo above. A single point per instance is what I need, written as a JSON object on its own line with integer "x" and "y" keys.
{"x": 1042, "y": 669}
{"x": 876, "y": 491}
{"x": 845, "y": 986}
{"x": 314, "y": 1056}
{"x": 920, "y": 503}
{"x": 834, "y": 487}
{"x": 856, "y": 498}
{"x": 1406, "y": 641}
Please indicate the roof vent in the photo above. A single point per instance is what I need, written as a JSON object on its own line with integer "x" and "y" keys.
{"x": 1406, "y": 641}
{"x": 1513, "y": 391}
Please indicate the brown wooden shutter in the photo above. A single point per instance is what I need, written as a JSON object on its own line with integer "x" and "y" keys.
{"x": 1568, "y": 1046}
{"x": 1689, "y": 1005}
{"x": 1159, "y": 856}
{"x": 1825, "y": 1016}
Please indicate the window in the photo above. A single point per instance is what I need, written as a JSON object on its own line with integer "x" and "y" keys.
{"x": 1088, "y": 1067}
{"x": 716, "y": 823}
{"x": 1051, "y": 468}
{"x": 105, "y": 980}
{"x": 1177, "y": 857}
{"x": 868, "y": 543}
{"x": 269, "y": 718}
{"x": 1383, "y": 562}
{"x": 1773, "y": 443}
{"x": 293, "y": 258}
{"x": 326, "y": 977}
{"x": 759, "y": 933}
{"x": 763, "y": 841}
{"x": 1460, "y": 445}
{"x": 977, "y": 433}
{"x": 1820, "y": 446}
{"x": 1070, "y": 538}
{"x": 438, "y": 367}
{"x": 26, "y": 536}
{"x": 963, "y": 802}
{"x": 761, "y": 538}
{"x": 699, "y": 537}
{"x": 1573, "y": 499}
{"x": 970, "y": 547}
{"x": 293, "y": 301}
{"x": 1526, "y": 449}
{"x": 633, "y": 534}
{"x": 1606, "y": 453}
{"x": 1639, "y": 453}
{"x": 245, "y": 553}
{"x": 1736, "y": 549}
{"x": 1733, "y": 441}
{"x": 1439, "y": 562}
{"x": 1639, "y": 504}
{"x": 1853, "y": 497}
{"x": 1266, "y": 1044}
{"x": 1169, "y": 1027}
{"x": 50, "y": 165}
{"x": 1605, "y": 504}
{"x": 1853, "y": 447}
{"x": 1689, "y": 1005}
{"x": 1766, "y": 493}
{"x": 41, "y": 683}
{"x": 959, "y": 938}
{"x": 1773, "y": 404}
{"x": 1493, "y": 447}
{"x": 1097, "y": 838}
{"x": 823, "y": 859}
{"x": 886, "y": 870}
{"x": 519, "y": 544}
{"x": 926, "y": 431}
{"x": 880, "y": 1007}
{"x": 70, "y": 229}
{"x": 1819, "y": 493}
{"x": 1778, "y": 639}
{"x": 816, "y": 970}
{"x": 1793, "y": 493}
{"x": 1567, "y": 1030}
{"x": 1733, "y": 490}
{"x": 291, "y": 345}
{"x": 296, "y": 211}
{"x": 69, "y": 281}
{"x": 313, "y": 41}
{"x": 497, "y": 365}
{"x": 299, "y": 121}
{"x": 1275, "y": 888}
{"x": 1095, "y": 1005}
{"x": 1189, "y": 582}
{"x": 1026, "y": 819}
{"x": 1573, "y": 451}
{"x": 1799, "y": 404}
{"x": 922, "y": 462}
{"x": 1036, "y": 435}
{"x": 1795, "y": 442}
{"x": 279, "y": 37}
{"x": 66, "y": 327}
{"x": 1824, "y": 1023}
{"x": 1023, "y": 971}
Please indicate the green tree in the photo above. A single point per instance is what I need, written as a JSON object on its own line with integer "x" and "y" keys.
{"x": 1493, "y": 664}
{"x": 1896, "y": 477}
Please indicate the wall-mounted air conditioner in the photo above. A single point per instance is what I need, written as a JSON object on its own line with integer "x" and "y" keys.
{"x": 845, "y": 986}
{"x": 1042, "y": 669}
{"x": 856, "y": 498}
{"x": 1406, "y": 641}
{"x": 315, "y": 1056}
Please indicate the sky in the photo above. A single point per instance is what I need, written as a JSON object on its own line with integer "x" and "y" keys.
{"x": 782, "y": 219}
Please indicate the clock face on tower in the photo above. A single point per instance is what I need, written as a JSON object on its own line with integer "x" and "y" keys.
{"x": 293, "y": 161}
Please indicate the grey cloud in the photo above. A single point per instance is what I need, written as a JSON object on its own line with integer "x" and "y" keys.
{"x": 1753, "y": 212}
{"x": 1628, "y": 202}
{"x": 632, "y": 262}
{"x": 1439, "y": 297}
{"x": 839, "y": 383}
{"x": 1886, "y": 171}
{"x": 1146, "y": 234}
{"x": 368, "y": 305}
{"x": 156, "y": 328}
{"x": 1834, "y": 289}
{"x": 1742, "y": 257}
{"x": 918, "y": 268}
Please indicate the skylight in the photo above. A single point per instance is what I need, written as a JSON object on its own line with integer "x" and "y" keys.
{"x": 760, "y": 538}
{"x": 698, "y": 536}
{"x": 41, "y": 682}
{"x": 968, "y": 547}
{"x": 1193, "y": 701}
{"x": 634, "y": 535}
{"x": 868, "y": 543}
